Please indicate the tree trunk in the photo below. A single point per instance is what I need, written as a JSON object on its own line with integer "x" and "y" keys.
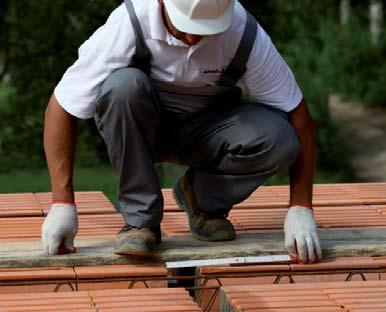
{"x": 376, "y": 17}
{"x": 345, "y": 11}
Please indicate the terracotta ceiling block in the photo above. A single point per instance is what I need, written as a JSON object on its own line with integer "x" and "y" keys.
{"x": 71, "y": 301}
{"x": 338, "y": 264}
{"x": 35, "y": 274}
{"x": 10, "y": 228}
{"x": 360, "y": 296}
{"x": 87, "y": 203}
{"x": 223, "y": 270}
{"x": 141, "y": 300}
{"x": 111, "y": 271}
{"x": 19, "y": 205}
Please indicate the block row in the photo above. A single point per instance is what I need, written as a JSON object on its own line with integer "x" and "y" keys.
{"x": 323, "y": 297}
{"x": 253, "y": 220}
{"x": 37, "y": 204}
{"x": 115, "y": 300}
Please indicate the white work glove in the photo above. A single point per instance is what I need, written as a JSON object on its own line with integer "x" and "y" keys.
{"x": 59, "y": 229}
{"x": 301, "y": 237}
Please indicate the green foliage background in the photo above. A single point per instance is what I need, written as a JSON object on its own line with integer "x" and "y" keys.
{"x": 43, "y": 39}
{"x": 39, "y": 40}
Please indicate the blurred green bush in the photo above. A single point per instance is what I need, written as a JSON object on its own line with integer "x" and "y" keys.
{"x": 305, "y": 33}
{"x": 41, "y": 39}
{"x": 360, "y": 64}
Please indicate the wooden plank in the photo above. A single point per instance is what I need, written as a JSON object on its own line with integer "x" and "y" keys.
{"x": 99, "y": 251}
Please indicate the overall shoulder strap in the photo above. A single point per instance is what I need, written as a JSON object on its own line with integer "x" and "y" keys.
{"x": 238, "y": 65}
{"x": 142, "y": 56}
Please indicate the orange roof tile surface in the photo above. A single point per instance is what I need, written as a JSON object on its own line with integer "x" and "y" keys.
{"x": 144, "y": 300}
{"x": 335, "y": 269}
{"x": 52, "y": 273}
{"x": 87, "y": 203}
{"x": 111, "y": 271}
{"x": 353, "y": 297}
{"x": 22, "y": 204}
{"x": 116, "y": 300}
{"x": 335, "y": 206}
{"x": 59, "y": 302}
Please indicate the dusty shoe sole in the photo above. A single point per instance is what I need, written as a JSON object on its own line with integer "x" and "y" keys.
{"x": 132, "y": 249}
{"x": 220, "y": 236}
{"x": 138, "y": 242}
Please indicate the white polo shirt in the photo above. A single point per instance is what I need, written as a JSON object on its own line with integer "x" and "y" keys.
{"x": 268, "y": 78}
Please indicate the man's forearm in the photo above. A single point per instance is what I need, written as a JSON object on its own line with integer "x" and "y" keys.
{"x": 302, "y": 172}
{"x": 59, "y": 146}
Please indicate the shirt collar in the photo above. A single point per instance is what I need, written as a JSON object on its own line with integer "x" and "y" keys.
{"x": 157, "y": 26}
{"x": 156, "y": 23}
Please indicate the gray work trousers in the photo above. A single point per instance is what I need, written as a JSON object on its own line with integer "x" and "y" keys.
{"x": 232, "y": 148}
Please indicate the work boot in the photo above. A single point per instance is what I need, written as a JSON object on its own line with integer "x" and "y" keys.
{"x": 203, "y": 226}
{"x": 137, "y": 241}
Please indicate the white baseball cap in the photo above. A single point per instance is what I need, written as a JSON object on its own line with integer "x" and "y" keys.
{"x": 200, "y": 17}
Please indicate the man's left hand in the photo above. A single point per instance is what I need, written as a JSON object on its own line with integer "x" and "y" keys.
{"x": 301, "y": 236}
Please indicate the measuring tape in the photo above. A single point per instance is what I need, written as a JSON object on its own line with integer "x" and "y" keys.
{"x": 216, "y": 262}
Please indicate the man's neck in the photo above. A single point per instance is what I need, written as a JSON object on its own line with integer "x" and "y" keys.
{"x": 185, "y": 38}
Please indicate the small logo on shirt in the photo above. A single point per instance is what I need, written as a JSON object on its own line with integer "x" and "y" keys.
{"x": 214, "y": 71}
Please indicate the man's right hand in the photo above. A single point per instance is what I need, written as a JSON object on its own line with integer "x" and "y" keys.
{"x": 59, "y": 229}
